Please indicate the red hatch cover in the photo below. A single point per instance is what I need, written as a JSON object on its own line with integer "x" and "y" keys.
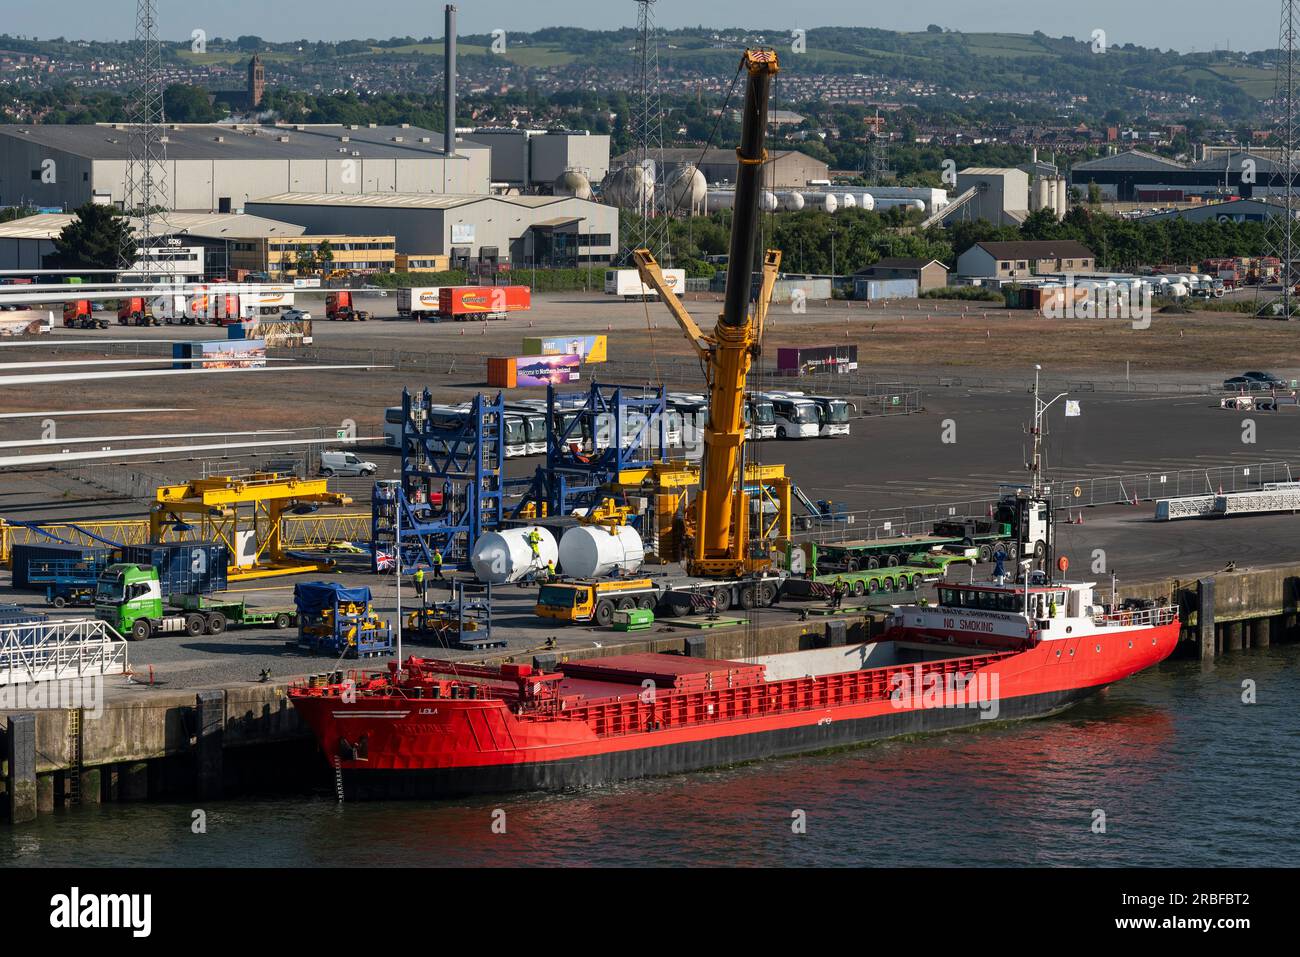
{"x": 667, "y": 671}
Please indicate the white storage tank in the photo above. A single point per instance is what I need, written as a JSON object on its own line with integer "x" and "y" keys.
{"x": 505, "y": 556}
{"x": 867, "y": 201}
{"x": 594, "y": 551}
{"x": 829, "y": 202}
{"x": 847, "y": 201}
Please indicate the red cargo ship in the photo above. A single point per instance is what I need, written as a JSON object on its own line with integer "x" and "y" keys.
{"x": 985, "y": 651}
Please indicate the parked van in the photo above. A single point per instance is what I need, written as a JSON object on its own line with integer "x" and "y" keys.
{"x": 345, "y": 463}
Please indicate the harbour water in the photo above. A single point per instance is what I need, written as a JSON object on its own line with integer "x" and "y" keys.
{"x": 1183, "y": 770}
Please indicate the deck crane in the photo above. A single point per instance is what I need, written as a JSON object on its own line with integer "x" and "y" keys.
{"x": 721, "y": 510}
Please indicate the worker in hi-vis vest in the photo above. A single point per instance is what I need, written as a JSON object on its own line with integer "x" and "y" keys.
{"x": 535, "y": 540}
{"x": 437, "y": 564}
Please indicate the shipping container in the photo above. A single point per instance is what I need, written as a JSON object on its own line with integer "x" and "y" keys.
{"x": 590, "y": 348}
{"x": 803, "y": 360}
{"x": 22, "y": 556}
{"x": 419, "y": 302}
{"x": 501, "y": 372}
{"x": 873, "y": 289}
{"x": 486, "y": 302}
{"x": 184, "y": 568}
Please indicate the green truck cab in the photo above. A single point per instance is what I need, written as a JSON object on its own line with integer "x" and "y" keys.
{"x": 129, "y": 597}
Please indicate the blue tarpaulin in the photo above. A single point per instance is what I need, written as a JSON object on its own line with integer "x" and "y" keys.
{"x": 311, "y": 597}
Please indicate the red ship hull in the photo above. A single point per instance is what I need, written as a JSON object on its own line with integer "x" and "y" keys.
{"x": 394, "y": 745}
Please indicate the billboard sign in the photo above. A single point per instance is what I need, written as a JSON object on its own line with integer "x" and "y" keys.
{"x": 547, "y": 370}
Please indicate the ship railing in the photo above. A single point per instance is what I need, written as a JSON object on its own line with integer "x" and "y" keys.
{"x": 640, "y": 713}
{"x": 1139, "y": 617}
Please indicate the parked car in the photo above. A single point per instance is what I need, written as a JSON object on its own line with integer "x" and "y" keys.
{"x": 345, "y": 463}
{"x": 1269, "y": 380}
{"x": 297, "y": 315}
{"x": 1239, "y": 383}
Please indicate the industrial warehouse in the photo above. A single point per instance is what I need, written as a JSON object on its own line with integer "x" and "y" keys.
{"x": 671, "y": 446}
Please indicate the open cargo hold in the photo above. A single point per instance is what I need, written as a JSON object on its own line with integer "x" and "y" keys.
{"x": 507, "y": 372}
{"x": 590, "y": 348}
{"x": 23, "y": 557}
{"x": 184, "y": 568}
{"x": 805, "y": 360}
{"x": 468, "y": 302}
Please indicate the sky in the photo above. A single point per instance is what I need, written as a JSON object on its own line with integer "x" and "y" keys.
{"x": 1185, "y": 25}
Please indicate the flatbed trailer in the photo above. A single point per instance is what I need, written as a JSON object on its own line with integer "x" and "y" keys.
{"x": 896, "y": 578}
{"x": 877, "y": 553}
{"x": 237, "y": 614}
{"x": 597, "y": 600}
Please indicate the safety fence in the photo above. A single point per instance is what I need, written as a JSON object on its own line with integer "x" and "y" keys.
{"x": 462, "y": 358}
{"x": 1067, "y": 494}
{"x": 60, "y": 650}
{"x": 297, "y": 531}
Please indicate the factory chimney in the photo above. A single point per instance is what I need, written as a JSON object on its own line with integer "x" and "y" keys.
{"x": 449, "y": 53}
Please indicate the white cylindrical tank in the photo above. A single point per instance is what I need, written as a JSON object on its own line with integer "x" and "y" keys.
{"x": 867, "y": 201}
{"x": 719, "y": 199}
{"x": 767, "y": 201}
{"x": 1062, "y": 197}
{"x": 593, "y": 551}
{"x": 1041, "y": 193}
{"x": 830, "y": 203}
{"x": 505, "y": 556}
{"x": 572, "y": 183}
{"x": 792, "y": 201}
{"x": 848, "y": 201}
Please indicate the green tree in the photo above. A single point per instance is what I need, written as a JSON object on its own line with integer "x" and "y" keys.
{"x": 325, "y": 254}
{"x": 306, "y": 261}
{"x": 187, "y": 104}
{"x": 92, "y": 240}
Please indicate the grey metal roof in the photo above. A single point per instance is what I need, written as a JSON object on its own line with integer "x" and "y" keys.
{"x": 408, "y": 200}
{"x": 1233, "y": 162}
{"x": 1133, "y": 160}
{"x": 217, "y": 141}
{"x": 1038, "y": 249}
{"x": 203, "y": 225}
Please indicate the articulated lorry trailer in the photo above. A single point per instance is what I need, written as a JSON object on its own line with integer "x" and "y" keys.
{"x": 982, "y": 534}
{"x": 596, "y": 600}
{"x": 130, "y": 598}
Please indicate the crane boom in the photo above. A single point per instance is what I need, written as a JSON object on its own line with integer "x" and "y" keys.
{"x": 721, "y": 542}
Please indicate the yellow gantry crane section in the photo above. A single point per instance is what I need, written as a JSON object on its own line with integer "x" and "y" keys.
{"x": 246, "y": 514}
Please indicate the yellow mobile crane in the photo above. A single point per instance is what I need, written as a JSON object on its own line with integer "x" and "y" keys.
{"x": 724, "y": 573}
{"x": 721, "y": 509}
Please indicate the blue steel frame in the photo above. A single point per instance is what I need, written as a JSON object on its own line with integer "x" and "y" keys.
{"x": 465, "y": 463}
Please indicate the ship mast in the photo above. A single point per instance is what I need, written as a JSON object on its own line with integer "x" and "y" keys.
{"x": 1035, "y": 464}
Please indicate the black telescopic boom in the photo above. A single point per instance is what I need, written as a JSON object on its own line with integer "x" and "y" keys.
{"x": 750, "y": 156}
